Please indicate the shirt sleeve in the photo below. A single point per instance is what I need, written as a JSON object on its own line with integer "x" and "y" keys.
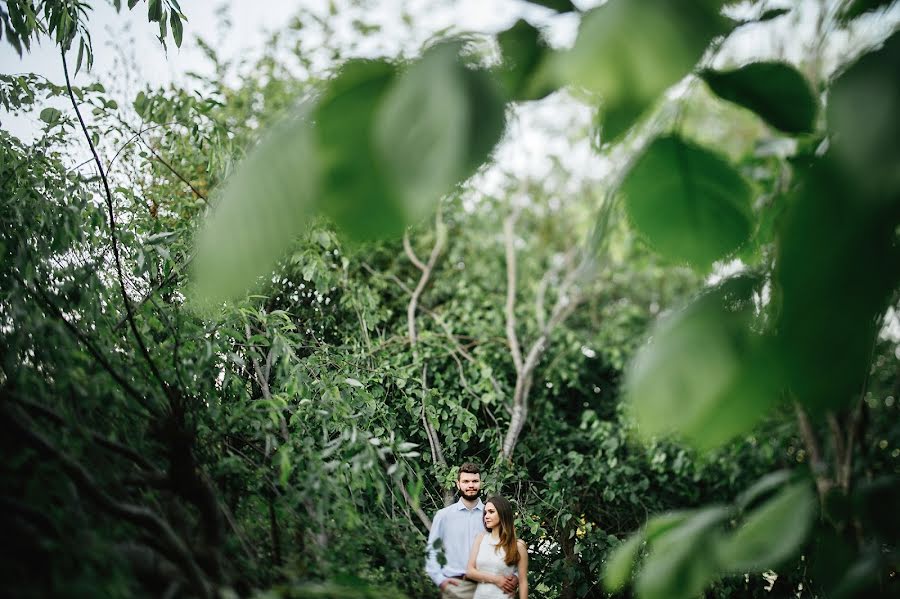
{"x": 432, "y": 567}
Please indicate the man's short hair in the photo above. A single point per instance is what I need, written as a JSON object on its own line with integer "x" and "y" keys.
{"x": 468, "y": 468}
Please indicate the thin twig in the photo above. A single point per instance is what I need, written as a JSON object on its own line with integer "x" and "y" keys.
{"x": 113, "y": 237}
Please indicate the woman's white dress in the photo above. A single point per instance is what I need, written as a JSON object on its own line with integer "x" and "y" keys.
{"x": 489, "y": 560}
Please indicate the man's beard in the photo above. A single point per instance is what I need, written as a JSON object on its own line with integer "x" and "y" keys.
{"x": 469, "y": 497}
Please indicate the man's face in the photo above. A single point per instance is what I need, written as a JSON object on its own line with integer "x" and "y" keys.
{"x": 469, "y": 485}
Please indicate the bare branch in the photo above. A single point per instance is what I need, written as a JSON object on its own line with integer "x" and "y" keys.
{"x": 509, "y": 235}
{"x": 410, "y": 253}
{"x": 434, "y": 443}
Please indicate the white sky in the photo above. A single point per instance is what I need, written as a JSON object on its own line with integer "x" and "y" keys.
{"x": 120, "y": 39}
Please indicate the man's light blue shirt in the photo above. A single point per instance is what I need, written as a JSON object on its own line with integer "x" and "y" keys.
{"x": 456, "y": 526}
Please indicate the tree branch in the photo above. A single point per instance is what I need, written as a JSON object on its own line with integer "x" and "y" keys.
{"x": 113, "y": 237}
{"x": 139, "y": 516}
{"x": 510, "y": 308}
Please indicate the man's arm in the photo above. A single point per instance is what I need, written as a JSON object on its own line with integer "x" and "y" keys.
{"x": 432, "y": 567}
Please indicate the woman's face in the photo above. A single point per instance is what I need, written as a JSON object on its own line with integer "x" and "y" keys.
{"x": 491, "y": 517}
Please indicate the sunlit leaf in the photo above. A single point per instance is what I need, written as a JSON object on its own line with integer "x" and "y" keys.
{"x": 775, "y": 91}
{"x": 688, "y": 202}
{"x": 771, "y": 533}
{"x": 630, "y": 51}
{"x": 619, "y": 565}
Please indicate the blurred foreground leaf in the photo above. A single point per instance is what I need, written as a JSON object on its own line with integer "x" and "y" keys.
{"x": 356, "y": 193}
{"x": 771, "y": 533}
{"x": 263, "y": 206}
{"x": 864, "y": 118}
{"x": 375, "y": 153}
{"x": 681, "y": 561}
{"x": 836, "y": 268}
{"x": 775, "y": 91}
{"x": 525, "y": 58}
{"x": 704, "y": 375}
{"x": 688, "y": 202}
{"x": 620, "y": 564}
{"x": 630, "y": 51}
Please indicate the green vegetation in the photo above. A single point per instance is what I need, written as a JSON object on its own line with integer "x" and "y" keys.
{"x": 243, "y": 346}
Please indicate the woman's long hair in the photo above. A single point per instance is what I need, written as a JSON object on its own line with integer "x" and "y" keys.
{"x": 507, "y": 528}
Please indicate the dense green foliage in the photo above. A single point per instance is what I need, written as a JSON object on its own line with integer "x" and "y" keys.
{"x": 245, "y": 344}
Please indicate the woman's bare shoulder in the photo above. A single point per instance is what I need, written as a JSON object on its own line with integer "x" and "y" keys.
{"x": 521, "y": 544}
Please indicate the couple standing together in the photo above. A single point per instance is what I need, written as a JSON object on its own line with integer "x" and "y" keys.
{"x": 483, "y": 558}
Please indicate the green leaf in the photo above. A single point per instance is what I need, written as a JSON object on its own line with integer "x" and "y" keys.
{"x": 772, "y": 533}
{"x": 132, "y": 4}
{"x": 688, "y": 202}
{"x": 856, "y": 8}
{"x": 356, "y": 192}
{"x": 177, "y": 28}
{"x": 80, "y": 55}
{"x": 525, "y": 55}
{"x": 50, "y": 115}
{"x": 619, "y": 565}
{"x": 705, "y": 375}
{"x": 557, "y": 5}
{"x": 630, "y": 51}
{"x": 763, "y": 486}
{"x": 264, "y": 205}
{"x": 775, "y": 91}
{"x": 421, "y": 130}
{"x": 836, "y": 270}
{"x": 154, "y": 10}
{"x": 681, "y": 561}
{"x": 864, "y": 117}
{"x": 772, "y": 13}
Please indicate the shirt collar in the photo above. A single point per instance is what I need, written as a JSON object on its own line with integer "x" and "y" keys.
{"x": 462, "y": 506}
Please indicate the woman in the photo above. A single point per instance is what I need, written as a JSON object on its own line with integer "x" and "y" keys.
{"x": 497, "y": 553}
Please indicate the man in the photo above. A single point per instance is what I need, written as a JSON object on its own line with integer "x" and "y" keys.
{"x": 453, "y": 533}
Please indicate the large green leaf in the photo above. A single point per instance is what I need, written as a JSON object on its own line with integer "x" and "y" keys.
{"x": 630, "y": 51}
{"x": 705, "y": 375}
{"x": 688, "y": 202}
{"x": 775, "y": 91}
{"x": 525, "y": 58}
{"x": 356, "y": 192}
{"x": 262, "y": 208}
{"x": 681, "y": 561}
{"x": 837, "y": 265}
{"x": 435, "y": 126}
{"x": 421, "y": 129}
{"x": 771, "y": 533}
{"x": 864, "y": 118}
